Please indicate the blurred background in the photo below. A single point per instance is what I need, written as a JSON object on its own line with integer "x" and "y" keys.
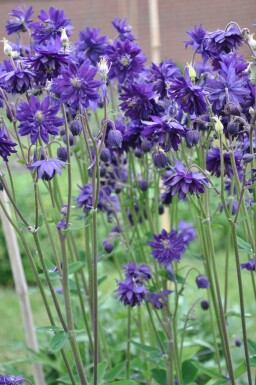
{"x": 175, "y": 18}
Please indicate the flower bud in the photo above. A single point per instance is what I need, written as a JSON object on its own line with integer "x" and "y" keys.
{"x": 105, "y": 155}
{"x": 192, "y": 138}
{"x": 233, "y": 128}
{"x": 64, "y": 37}
{"x": 7, "y": 47}
{"x": 138, "y": 153}
{"x": 160, "y": 210}
{"x": 191, "y": 72}
{"x": 143, "y": 185}
{"x": 248, "y": 158}
{"x": 202, "y": 281}
{"x": 204, "y": 304}
{"x": 62, "y": 153}
{"x": 115, "y": 139}
{"x": 218, "y": 125}
{"x": 107, "y": 246}
{"x": 146, "y": 145}
{"x": 75, "y": 127}
{"x": 71, "y": 139}
{"x": 103, "y": 68}
{"x": 160, "y": 159}
{"x": 238, "y": 342}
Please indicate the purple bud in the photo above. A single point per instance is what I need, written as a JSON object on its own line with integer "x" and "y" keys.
{"x": 108, "y": 246}
{"x": 233, "y": 128}
{"x": 71, "y": 139}
{"x": 138, "y": 153}
{"x": 202, "y": 281}
{"x": 115, "y": 139}
{"x": 204, "y": 304}
{"x": 102, "y": 171}
{"x": 146, "y": 145}
{"x": 105, "y": 155}
{"x": 161, "y": 210}
{"x": 248, "y": 158}
{"x": 233, "y": 109}
{"x": 76, "y": 127}
{"x": 62, "y": 153}
{"x": 143, "y": 185}
{"x": 116, "y": 229}
{"x": 192, "y": 137}
{"x": 160, "y": 159}
{"x": 238, "y": 342}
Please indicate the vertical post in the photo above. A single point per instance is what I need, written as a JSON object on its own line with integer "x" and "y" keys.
{"x": 20, "y": 286}
{"x": 154, "y": 26}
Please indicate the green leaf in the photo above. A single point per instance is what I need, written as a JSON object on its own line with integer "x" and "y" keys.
{"x": 115, "y": 372}
{"x": 49, "y": 329}
{"x": 243, "y": 245}
{"x": 212, "y": 373}
{"x": 189, "y": 371}
{"x": 253, "y": 362}
{"x": 241, "y": 369}
{"x": 102, "y": 367}
{"x": 252, "y": 347}
{"x": 159, "y": 376}
{"x": 21, "y": 161}
{"x": 123, "y": 382}
{"x": 75, "y": 266}
{"x": 145, "y": 348}
{"x": 57, "y": 342}
{"x": 66, "y": 379}
{"x": 101, "y": 280}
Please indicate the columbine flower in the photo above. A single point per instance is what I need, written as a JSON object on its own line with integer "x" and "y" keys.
{"x": 191, "y": 98}
{"x": 6, "y": 145}
{"x": 137, "y": 273}
{"x": 129, "y": 293}
{"x": 138, "y": 101}
{"x": 219, "y": 41}
{"x": 6, "y": 379}
{"x": 167, "y": 132}
{"x": 162, "y": 75}
{"x": 19, "y": 20}
{"x": 50, "y": 26}
{"x": 47, "y": 168}
{"x": 167, "y": 247}
{"x": 124, "y": 30}
{"x": 183, "y": 182}
{"x": 213, "y": 162}
{"x": 188, "y": 232}
{"x": 91, "y": 44}
{"x": 250, "y": 265}
{"x": 127, "y": 60}
{"x": 197, "y": 42}
{"x": 202, "y": 281}
{"x": 76, "y": 85}
{"x": 38, "y": 119}
{"x": 158, "y": 300}
{"x": 47, "y": 61}
{"x": 16, "y": 81}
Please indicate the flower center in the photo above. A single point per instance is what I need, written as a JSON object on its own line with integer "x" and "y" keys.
{"x": 76, "y": 82}
{"x": 125, "y": 61}
{"x": 39, "y": 116}
{"x": 166, "y": 243}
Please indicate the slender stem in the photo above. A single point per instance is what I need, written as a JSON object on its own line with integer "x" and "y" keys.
{"x": 128, "y": 348}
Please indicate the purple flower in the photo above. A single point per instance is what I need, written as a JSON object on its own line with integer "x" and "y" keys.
{"x": 127, "y": 60}
{"x": 167, "y": 247}
{"x": 47, "y": 168}
{"x": 217, "y": 88}
{"x": 188, "y": 232}
{"x": 250, "y": 265}
{"x": 76, "y": 85}
{"x": 91, "y": 44}
{"x": 124, "y": 30}
{"x": 197, "y": 39}
{"x": 162, "y": 75}
{"x": 108, "y": 246}
{"x": 6, "y": 145}
{"x": 129, "y": 293}
{"x": 167, "y": 132}
{"x": 213, "y": 162}
{"x": 6, "y": 379}
{"x": 138, "y": 101}
{"x": 50, "y": 26}
{"x": 137, "y": 273}
{"x": 47, "y": 61}
{"x": 182, "y": 182}
{"x": 190, "y": 97}
{"x": 19, "y": 20}
{"x": 223, "y": 41}
{"x": 202, "y": 281}
{"x": 16, "y": 81}
{"x": 158, "y": 300}
{"x": 38, "y": 119}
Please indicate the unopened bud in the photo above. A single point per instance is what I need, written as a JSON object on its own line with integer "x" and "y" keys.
{"x": 218, "y": 125}
{"x": 7, "y": 47}
{"x": 103, "y": 67}
{"x": 64, "y": 37}
{"x": 191, "y": 72}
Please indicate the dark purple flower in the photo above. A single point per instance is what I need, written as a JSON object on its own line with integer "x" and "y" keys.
{"x": 47, "y": 168}
{"x": 38, "y": 119}
{"x": 47, "y": 61}
{"x": 84, "y": 198}
{"x": 6, "y": 379}
{"x": 223, "y": 41}
{"x": 204, "y": 304}
{"x": 188, "y": 232}
{"x": 167, "y": 132}
{"x": 231, "y": 83}
{"x": 129, "y": 293}
{"x": 137, "y": 273}
{"x": 250, "y": 265}
{"x": 197, "y": 39}
{"x": 127, "y": 60}
{"x": 202, "y": 281}
{"x": 16, "y": 81}
{"x": 162, "y": 75}
{"x": 213, "y": 162}
{"x": 77, "y": 86}
{"x": 138, "y": 101}
{"x": 124, "y": 30}
{"x": 190, "y": 97}
{"x": 158, "y": 300}
{"x": 6, "y": 145}
{"x": 91, "y": 44}
{"x": 50, "y": 25}
{"x": 167, "y": 247}
{"x": 19, "y": 20}
{"x": 183, "y": 182}
{"x": 224, "y": 62}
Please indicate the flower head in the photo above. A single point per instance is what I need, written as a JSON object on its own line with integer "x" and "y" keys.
{"x": 6, "y": 379}
{"x": 19, "y": 20}
{"x": 167, "y": 247}
{"x": 158, "y": 300}
{"x": 202, "y": 281}
{"x": 91, "y": 44}
{"x": 124, "y": 30}
{"x": 197, "y": 39}
{"x": 250, "y": 265}
{"x": 16, "y": 81}
{"x": 188, "y": 232}
{"x": 6, "y": 145}
{"x": 130, "y": 293}
{"x": 161, "y": 75}
{"x": 47, "y": 168}
{"x": 38, "y": 119}
{"x": 223, "y": 41}
{"x": 137, "y": 273}
{"x": 213, "y": 162}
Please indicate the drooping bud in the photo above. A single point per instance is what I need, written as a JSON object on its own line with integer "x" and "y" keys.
{"x": 160, "y": 159}
{"x": 143, "y": 185}
{"x": 108, "y": 246}
{"x": 105, "y": 155}
{"x": 62, "y": 153}
{"x": 146, "y": 145}
{"x": 138, "y": 153}
{"x": 204, "y": 304}
{"x": 76, "y": 127}
{"x": 192, "y": 138}
{"x": 233, "y": 128}
{"x": 248, "y": 158}
{"x": 115, "y": 139}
